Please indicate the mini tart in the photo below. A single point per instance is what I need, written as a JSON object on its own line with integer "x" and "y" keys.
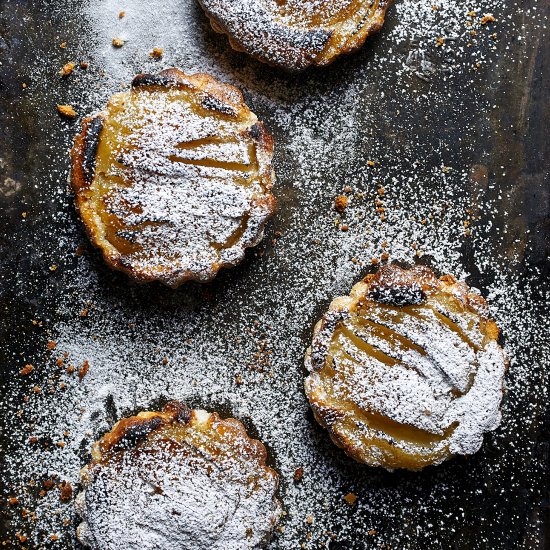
{"x": 173, "y": 180}
{"x": 294, "y": 34}
{"x": 406, "y": 371}
{"x": 179, "y": 479}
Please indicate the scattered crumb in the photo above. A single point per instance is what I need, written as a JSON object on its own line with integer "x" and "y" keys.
{"x": 66, "y": 111}
{"x": 66, "y": 70}
{"x": 118, "y": 42}
{"x": 341, "y": 203}
{"x": 66, "y": 491}
{"x": 27, "y": 369}
{"x": 157, "y": 53}
{"x": 83, "y": 369}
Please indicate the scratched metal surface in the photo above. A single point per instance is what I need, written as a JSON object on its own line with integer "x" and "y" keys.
{"x": 509, "y": 509}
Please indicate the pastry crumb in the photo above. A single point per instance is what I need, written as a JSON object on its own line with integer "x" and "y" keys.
{"x": 27, "y": 369}
{"x": 66, "y": 491}
{"x": 157, "y": 53}
{"x": 341, "y": 203}
{"x": 350, "y": 498}
{"x": 83, "y": 371}
{"x": 67, "y": 69}
{"x": 118, "y": 42}
{"x": 66, "y": 111}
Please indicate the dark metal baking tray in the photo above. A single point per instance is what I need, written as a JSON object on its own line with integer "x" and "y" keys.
{"x": 459, "y": 133}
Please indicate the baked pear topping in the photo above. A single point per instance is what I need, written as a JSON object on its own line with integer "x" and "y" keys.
{"x": 173, "y": 180}
{"x": 406, "y": 371}
{"x": 179, "y": 479}
{"x": 294, "y": 34}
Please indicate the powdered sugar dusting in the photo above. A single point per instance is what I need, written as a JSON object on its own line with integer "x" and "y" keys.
{"x": 174, "y": 490}
{"x": 295, "y": 35}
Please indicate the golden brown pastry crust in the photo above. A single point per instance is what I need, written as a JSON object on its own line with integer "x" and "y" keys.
{"x": 218, "y": 100}
{"x": 406, "y": 371}
{"x": 130, "y": 430}
{"x": 228, "y": 451}
{"x": 294, "y": 34}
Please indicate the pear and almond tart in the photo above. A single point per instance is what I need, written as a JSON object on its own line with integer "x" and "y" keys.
{"x": 179, "y": 479}
{"x": 173, "y": 180}
{"x": 294, "y": 34}
{"x": 406, "y": 371}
